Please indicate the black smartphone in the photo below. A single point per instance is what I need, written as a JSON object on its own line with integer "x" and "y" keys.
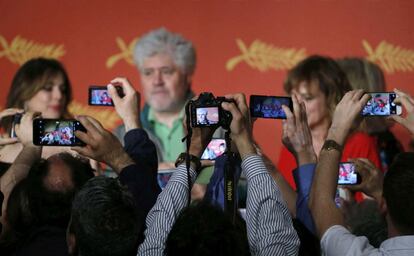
{"x": 16, "y": 120}
{"x": 382, "y": 104}
{"x": 57, "y": 132}
{"x": 99, "y": 96}
{"x": 347, "y": 174}
{"x": 214, "y": 149}
{"x": 269, "y": 106}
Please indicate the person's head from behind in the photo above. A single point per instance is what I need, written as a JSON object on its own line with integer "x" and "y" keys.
{"x": 398, "y": 191}
{"x": 320, "y": 84}
{"x": 204, "y": 229}
{"x": 104, "y": 220}
{"x": 40, "y": 85}
{"x": 166, "y": 62}
{"x": 52, "y": 184}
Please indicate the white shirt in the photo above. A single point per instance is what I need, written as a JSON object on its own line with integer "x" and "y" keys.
{"x": 337, "y": 240}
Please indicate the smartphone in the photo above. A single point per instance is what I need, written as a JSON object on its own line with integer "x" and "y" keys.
{"x": 163, "y": 177}
{"x": 214, "y": 149}
{"x": 382, "y": 104}
{"x": 99, "y": 96}
{"x": 269, "y": 106}
{"x": 347, "y": 174}
{"x": 16, "y": 120}
{"x": 57, "y": 132}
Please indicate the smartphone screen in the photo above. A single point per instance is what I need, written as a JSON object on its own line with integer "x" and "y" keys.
{"x": 347, "y": 174}
{"x": 269, "y": 106}
{"x": 56, "y": 132}
{"x": 214, "y": 149}
{"x": 99, "y": 96}
{"x": 381, "y": 104}
{"x": 163, "y": 177}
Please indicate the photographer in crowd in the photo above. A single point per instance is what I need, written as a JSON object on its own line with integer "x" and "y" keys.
{"x": 136, "y": 166}
{"x": 393, "y": 193}
{"x": 269, "y": 226}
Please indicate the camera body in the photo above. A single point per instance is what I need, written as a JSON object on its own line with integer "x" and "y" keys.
{"x": 99, "y": 96}
{"x": 206, "y": 111}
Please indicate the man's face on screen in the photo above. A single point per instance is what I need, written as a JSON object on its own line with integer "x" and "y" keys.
{"x": 164, "y": 84}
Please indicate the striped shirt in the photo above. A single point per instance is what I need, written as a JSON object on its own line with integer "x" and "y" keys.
{"x": 269, "y": 226}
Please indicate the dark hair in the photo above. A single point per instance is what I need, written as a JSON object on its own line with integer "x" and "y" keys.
{"x": 32, "y": 77}
{"x": 398, "y": 192}
{"x": 325, "y": 72}
{"x": 204, "y": 229}
{"x": 51, "y": 205}
{"x": 105, "y": 219}
{"x": 19, "y": 218}
{"x": 365, "y": 219}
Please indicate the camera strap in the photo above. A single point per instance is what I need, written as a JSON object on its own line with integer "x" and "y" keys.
{"x": 230, "y": 204}
{"x": 187, "y": 138}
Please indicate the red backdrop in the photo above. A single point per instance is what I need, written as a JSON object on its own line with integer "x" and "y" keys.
{"x": 242, "y": 45}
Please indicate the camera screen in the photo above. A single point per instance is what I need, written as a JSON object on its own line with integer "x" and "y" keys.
{"x": 347, "y": 174}
{"x": 380, "y": 104}
{"x": 53, "y": 132}
{"x": 163, "y": 177}
{"x": 214, "y": 149}
{"x": 207, "y": 116}
{"x": 269, "y": 106}
{"x": 99, "y": 96}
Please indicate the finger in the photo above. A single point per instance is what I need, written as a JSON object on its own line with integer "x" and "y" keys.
{"x": 399, "y": 119}
{"x": 364, "y": 99}
{"x": 231, "y": 107}
{"x": 126, "y": 85}
{"x": 113, "y": 94}
{"x": 85, "y": 137}
{"x": 406, "y": 103}
{"x": 288, "y": 113}
{"x": 6, "y": 141}
{"x": 89, "y": 126}
{"x": 96, "y": 123}
{"x": 240, "y": 100}
{"x": 10, "y": 112}
{"x": 303, "y": 116}
{"x": 357, "y": 94}
{"x": 296, "y": 108}
{"x": 84, "y": 151}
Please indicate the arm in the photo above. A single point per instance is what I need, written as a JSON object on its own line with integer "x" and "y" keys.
{"x": 172, "y": 199}
{"x": 321, "y": 202}
{"x": 24, "y": 161}
{"x": 269, "y": 226}
{"x": 303, "y": 176}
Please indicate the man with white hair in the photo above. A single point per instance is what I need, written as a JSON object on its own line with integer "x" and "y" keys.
{"x": 166, "y": 62}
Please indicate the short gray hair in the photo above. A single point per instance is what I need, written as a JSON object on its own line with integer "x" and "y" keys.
{"x": 163, "y": 41}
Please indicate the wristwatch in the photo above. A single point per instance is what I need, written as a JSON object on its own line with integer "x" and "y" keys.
{"x": 330, "y": 145}
{"x": 183, "y": 157}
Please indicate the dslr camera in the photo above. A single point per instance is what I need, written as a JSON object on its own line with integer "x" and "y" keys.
{"x": 206, "y": 111}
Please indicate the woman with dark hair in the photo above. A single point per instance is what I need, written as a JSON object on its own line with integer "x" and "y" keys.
{"x": 320, "y": 83}
{"x": 40, "y": 85}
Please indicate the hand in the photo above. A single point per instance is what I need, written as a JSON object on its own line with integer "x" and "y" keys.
{"x": 200, "y": 138}
{"x": 9, "y": 112}
{"x": 24, "y": 130}
{"x": 347, "y": 110}
{"x": 408, "y": 102}
{"x": 296, "y": 136}
{"x": 102, "y": 145}
{"x": 128, "y": 107}
{"x": 241, "y": 130}
{"x": 372, "y": 178}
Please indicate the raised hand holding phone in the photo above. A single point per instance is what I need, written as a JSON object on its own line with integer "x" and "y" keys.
{"x": 5, "y": 113}
{"x": 128, "y": 106}
{"x": 408, "y": 103}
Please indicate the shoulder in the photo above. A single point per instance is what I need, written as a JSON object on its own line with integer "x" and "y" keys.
{"x": 337, "y": 240}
